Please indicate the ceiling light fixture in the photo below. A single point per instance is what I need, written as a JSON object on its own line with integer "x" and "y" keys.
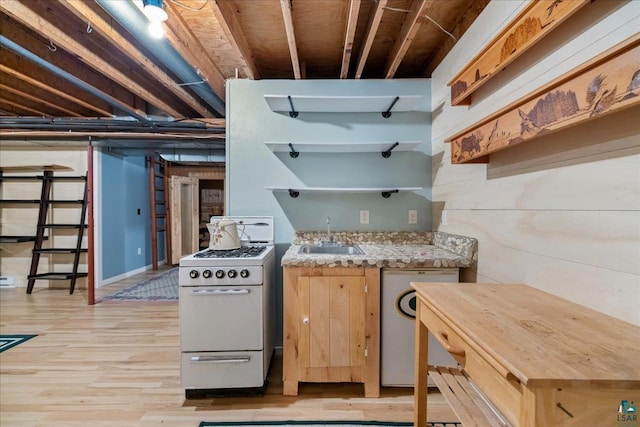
{"x": 154, "y": 11}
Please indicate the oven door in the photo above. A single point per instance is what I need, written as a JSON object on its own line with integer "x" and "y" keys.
{"x": 220, "y": 318}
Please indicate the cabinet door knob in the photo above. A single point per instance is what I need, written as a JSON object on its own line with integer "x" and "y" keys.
{"x": 305, "y": 320}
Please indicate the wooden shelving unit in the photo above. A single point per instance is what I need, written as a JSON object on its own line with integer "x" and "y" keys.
{"x": 44, "y": 228}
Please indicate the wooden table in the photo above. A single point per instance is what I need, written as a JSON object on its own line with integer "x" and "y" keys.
{"x": 539, "y": 359}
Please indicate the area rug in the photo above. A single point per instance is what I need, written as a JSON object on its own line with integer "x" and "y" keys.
{"x": 160, "y": 288}
{"x": 322, "y": 423}
{"x": 9, "y": 341}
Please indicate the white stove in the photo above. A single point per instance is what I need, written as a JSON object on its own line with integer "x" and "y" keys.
{"x": 227, "y": 314}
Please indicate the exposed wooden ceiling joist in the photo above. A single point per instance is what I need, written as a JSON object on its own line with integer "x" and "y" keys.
{"x": 225, "y": 13}
{"x": 21, "y": 107}
{"x": 403, "y": 41}
{"x": 81, "y": 9}
{"x": 30, "y": 97}
{"x": 40, "y": 23}
{"x": 38, "y": 82}
{"x": 370, "y": 35}
{"x": 350, "y": 32}
{"x": 190, "y": 48}
{"x": 287, "y": 15}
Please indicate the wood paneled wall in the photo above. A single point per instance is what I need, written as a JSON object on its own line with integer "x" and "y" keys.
{"x": 15, "y": 258}
{"x": 563, "y": 213}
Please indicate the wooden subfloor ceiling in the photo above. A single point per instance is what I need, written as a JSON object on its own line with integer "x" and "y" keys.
{"x": 117, "y": 364}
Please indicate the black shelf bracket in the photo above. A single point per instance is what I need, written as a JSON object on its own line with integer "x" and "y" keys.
{"x": 387, "y": 114}
{"x": 293, "y": 153}
{"x": 293, "y": 193}
{"x": 293, "y": 113}
{"x": 387, "y": 194}
{"x": 387, "y": 154}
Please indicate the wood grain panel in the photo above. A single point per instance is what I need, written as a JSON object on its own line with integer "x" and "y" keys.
{"x": 339, "y": 323}
{"x": 504, "y": 258}
{"x": 357, "y": 316}
{"x": 320, "y": 322}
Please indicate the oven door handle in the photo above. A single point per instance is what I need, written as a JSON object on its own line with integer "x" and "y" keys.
{"x": 219, "y": 291}
{"x": 221, "y": 359}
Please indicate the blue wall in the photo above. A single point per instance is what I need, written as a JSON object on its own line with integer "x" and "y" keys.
{"x": 251, "y": 165}
{"x": 124, "y": 190}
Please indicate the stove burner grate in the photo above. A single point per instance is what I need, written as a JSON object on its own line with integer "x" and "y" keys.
{"x": 242, "y": 252}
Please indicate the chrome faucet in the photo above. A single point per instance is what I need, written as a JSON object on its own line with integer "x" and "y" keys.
{"x": 329, "y": 239}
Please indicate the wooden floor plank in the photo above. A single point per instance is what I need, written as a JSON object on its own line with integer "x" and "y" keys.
{"x": 118, "y": 363}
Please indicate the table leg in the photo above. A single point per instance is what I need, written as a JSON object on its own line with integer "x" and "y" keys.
{"x": 421, "y": 371}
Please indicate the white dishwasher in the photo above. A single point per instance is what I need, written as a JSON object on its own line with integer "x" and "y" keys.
{"x": 398, "y": 314}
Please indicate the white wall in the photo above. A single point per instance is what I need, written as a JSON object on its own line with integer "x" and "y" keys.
{"x": 560, "y": 213}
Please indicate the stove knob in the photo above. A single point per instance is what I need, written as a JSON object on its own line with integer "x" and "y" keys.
{"x": 194, "y": 274}
{"x": 244, "y": 273}
{"x": 232, "y": 274}
{"x": 206, "y": 274}
{"x": 220, "y": 274}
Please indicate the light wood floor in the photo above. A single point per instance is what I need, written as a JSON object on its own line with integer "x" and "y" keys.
{"x": 116, "y": 364}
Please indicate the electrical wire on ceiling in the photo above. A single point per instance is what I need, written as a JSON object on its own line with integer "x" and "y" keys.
{"x": 395, "y": 9}
{"x": 198, "y": 9}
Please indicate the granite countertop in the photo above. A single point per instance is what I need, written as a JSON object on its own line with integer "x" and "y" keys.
{"x": 389, "y": 250}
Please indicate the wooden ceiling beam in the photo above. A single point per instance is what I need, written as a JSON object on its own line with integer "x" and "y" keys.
{"x": 38, "y": 100}
{"x": 408, "y": 31}
{"x": 81, "y": 9}
{"x": 189, "y": 47}
{"x": 287, "y": 15}
{"x": 62, "y": 60}
{"x": 39, "y": 83}
{"x": 350, "y": 32}
{"x": 370, "y": 35}
{"x": 23, "y": 107}
{"x": 224, "y": 12}
{"x": 39, "y": 23}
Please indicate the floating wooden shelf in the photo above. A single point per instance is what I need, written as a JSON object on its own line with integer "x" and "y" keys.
{"x": 386, "y": 104}
{"x": 384, "y": 147}
{"x": 385, "y": 191}
{"x": 609, "y": 82}
{"x": 535, "y": 21}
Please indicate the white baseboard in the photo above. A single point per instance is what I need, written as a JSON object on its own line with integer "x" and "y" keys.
{"x": 114, "y": 279}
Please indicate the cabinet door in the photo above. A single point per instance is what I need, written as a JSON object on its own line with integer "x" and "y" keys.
{"x": 332, "y": 333}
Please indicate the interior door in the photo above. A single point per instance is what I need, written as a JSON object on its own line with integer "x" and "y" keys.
{"x": 333, "y": 312}
{"x": 183, "y": 196}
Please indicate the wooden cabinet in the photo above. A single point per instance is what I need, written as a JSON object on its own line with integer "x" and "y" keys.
{"x": 331, "y": 327}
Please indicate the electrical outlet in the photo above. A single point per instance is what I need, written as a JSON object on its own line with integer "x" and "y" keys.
{"x": 413, "y": 216}
{"x": 364, "y": 217}
{"x": 139, "y": 251}
{"x": 443, "y": 218}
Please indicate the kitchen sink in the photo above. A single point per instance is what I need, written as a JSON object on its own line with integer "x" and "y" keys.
{"x": 330, "y": 249}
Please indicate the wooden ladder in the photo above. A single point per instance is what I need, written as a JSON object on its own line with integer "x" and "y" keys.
{"x": 41, "y": 235}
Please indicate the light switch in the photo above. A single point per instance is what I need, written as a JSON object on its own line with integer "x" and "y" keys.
{"x": 443, "y": 218}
